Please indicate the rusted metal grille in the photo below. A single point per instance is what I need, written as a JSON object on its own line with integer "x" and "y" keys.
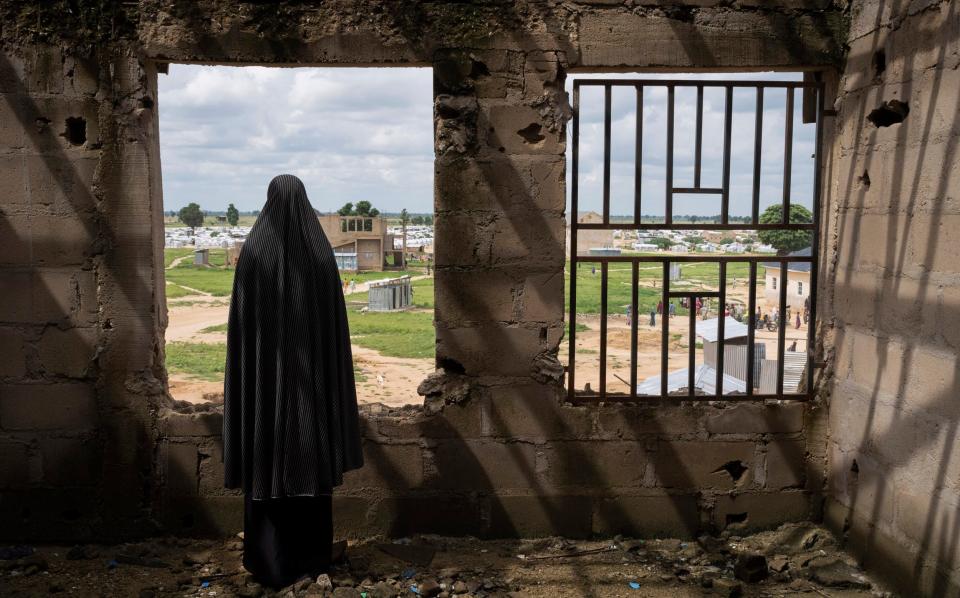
{"x": 813, "y": 103}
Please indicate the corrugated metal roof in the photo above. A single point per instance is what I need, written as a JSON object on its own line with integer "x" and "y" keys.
{"x": 705, "y": 379}
{"x": 731, "y": 329}
{"x": 793, "y": 266}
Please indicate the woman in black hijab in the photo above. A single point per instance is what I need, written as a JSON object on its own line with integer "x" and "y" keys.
{"x": 290, "y": 424}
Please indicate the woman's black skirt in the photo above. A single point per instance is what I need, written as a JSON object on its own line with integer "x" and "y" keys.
{"x": 285, "y": 539}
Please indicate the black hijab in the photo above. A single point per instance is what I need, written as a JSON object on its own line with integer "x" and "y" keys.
{"x": 290, "y": 424}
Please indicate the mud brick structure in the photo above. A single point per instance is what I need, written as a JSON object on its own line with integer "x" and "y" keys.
{"x": 90, "y": 447}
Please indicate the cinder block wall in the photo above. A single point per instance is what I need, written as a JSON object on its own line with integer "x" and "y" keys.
{"x": 90, "y": 446}
{"x": 894, "y": 455}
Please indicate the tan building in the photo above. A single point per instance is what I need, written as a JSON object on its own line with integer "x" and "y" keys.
{"x": 590, "y": 239}
{"x": 798, "y": 282}
{"x": 363, "y": 241}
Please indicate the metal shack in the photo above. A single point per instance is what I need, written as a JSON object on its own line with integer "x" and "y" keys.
{"x": 391, "y": 294}
{"x": 201, "y": 257}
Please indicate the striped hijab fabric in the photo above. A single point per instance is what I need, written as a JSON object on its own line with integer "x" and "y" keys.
{"x": 290, "y": 423}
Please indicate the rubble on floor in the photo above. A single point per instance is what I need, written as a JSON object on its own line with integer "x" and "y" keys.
{"x": 793, "y": 560}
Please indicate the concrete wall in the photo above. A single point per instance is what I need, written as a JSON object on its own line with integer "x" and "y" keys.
{"x": 91, "y": 444}
{"x": 894, "y": 459}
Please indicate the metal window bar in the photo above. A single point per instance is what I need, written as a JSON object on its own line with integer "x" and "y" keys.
{"x": 752, "y": 261}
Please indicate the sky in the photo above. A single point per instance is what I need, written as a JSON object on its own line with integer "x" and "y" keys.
{"x": 350, "y": 134}
{"x": 358, "y": 134}
{"x": 653, "y": 182}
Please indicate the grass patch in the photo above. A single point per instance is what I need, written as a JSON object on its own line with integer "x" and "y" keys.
{"x": 199, "y": 360}
{"x": 396, "y": 334}
{"x": 217, "y": 328}
{"x": 175, "y": 291}
{"x": 218, "y": 283}
{"x": 694, "y": 276}
{"x": 173, "y": 253}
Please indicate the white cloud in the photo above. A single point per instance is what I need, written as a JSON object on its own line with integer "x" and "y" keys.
{"x": 351, "y": 134}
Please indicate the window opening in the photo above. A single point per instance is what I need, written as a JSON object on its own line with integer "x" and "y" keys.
{"x": 225, "y": 131}
{"x": 686, "y": 265}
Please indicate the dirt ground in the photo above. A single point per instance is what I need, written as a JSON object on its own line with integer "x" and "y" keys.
{"x": 648, "y": 348}
{"x": 392, "y": 381}
{"x": 795, "y": 560}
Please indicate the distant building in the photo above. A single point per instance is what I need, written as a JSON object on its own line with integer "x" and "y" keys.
{"x": 390, "y": 295}
{"x": 201, "y": 257}
{"x": 798, "y": 281}
{"x": 363, "y": 240}
{"x": 590, "y": 239}
{"x": 679, "y": 248}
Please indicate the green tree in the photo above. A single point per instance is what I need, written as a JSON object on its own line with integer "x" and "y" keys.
{"x": 374, "y": 212}
{"x": 233, "y": 215}
{"x": 416, "y": 220}
{"x": 786, "y": 241}
{"x": 346, "y": 210}
{"x": 661, "y": 242}
{"x": 727, "y": 240}
{"x": 191, "y": 215}
{"x": 363, "y": 208}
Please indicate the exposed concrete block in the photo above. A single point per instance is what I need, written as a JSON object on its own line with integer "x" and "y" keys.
{"x": 14, "y": 464}
{"x": 786, "y": 464}
{"x": 350, "y": 517}
{"x": 761, "y": 511}
{"x": 70, "y": 461}
{"x": 12, "y": 358}
{"x": 615, "y": 38}
{"x": 700, "y": 464}
{"x": 744, "y": 418}
{"x": 210, "y": 469}
{"x": 48, "y": 185}
{"x": 483, "y": 465}
{"x": 529, "y": 237}
{"x": 514, "y": 129}
{"x": 496, "y": 350}
{"x": 65, "y": 406}
{"x": 462, "y": 239}
{"x": 182, "y": 469}
{"x": 387, "y": 466}
{"x": 663, "y": 516}
{"x": 47, "y": 240}
{"x": 610, "y": 464}
{"x": 430, "y": 514}
{"x": 537, "y": 516}
{"x": 501, "y": 182}
{"x": 455, "y": 421}
{"x": 533, "y": 411}
{"x": 49, "y": 295}
{"x": 192, "y": 424}
{"x": 218, "y": 516}
{"x": 44, "y": 69}
{"x": 631, "y": 422}
{"x": 67, "y": 352}
{"x": 920, "y": 515}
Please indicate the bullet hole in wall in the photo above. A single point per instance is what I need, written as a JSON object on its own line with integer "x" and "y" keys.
{"x": 450, "y": 365}
{"x": 732, "y": 518}
{"x": 531, "y": 133}
{"x": 890, "y": 113}
{"x": 735, "y": 468}
{"x": 75, "y": 131}
{"x": 864, "y": 179}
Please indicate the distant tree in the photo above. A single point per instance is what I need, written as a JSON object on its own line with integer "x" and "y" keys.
{"x": 233, "y": 215}
{"x": 416, "y": 220}
{"x": 191, "y": 215}
{"x": 346, "y": 210}
{"x": 374, "y": 212}
{"x": 694, "y": 240}
{"x": 727, "y": 240}
{"x": 786, "y": 241}
{"x": 428, "y": 220}
{"x": 661, "y": 242}
{"x": 363, "y": 208}
{"x": 693, "y": 219}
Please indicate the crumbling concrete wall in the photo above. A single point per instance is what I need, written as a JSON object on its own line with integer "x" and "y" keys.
{"x": 90, "y": 446}
{"x": 894, "y": 459}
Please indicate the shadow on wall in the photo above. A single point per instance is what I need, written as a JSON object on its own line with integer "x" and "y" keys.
{"x": 892, "y": 293}
{"x": 78, "y": 264}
